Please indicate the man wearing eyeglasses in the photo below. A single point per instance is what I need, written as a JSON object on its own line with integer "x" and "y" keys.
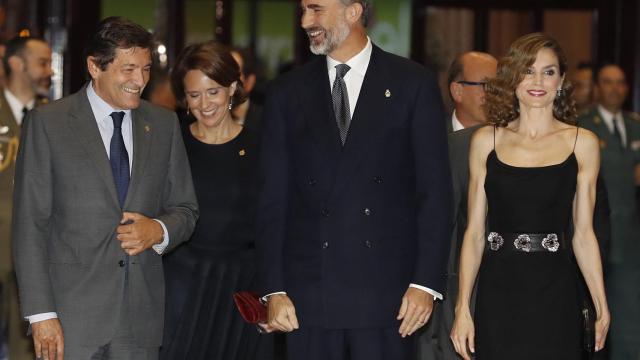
{"x": 467, "y": 76}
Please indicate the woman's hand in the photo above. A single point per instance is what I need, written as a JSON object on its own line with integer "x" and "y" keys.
{"x": 602, "y": 328}
{"x": 463, "y": 334}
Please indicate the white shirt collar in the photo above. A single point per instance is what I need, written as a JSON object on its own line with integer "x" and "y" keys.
{"x": 16, "y": 105}
{"x": 455, "y": 123}
{"x": 101, "y": 109}
{"x": 359, "y": 63}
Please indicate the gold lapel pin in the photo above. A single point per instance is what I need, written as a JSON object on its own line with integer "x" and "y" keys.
{"x": 387, "y": 93}
{"x": 242, "y": 152}
{"x": 147, "y": 128}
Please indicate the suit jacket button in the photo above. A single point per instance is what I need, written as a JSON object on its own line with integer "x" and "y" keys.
{"x": 325, "y": 213}
{"x": 377, "y": 180}
{"x": 312, "y": 182}
{"x": 368, "y": 244}
{"x": 367, "y": 211}
{"x": 121, "y": 263}
{"x": 325, "y": 244}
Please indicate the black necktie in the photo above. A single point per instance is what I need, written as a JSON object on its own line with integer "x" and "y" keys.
{"x": 341, "y": 101}
{"x": 24, "y": 113}
{"x": 616, "y": 132}
{"x": 119, "y": 157}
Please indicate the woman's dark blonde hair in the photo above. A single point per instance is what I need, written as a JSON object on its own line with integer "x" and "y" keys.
{"x": 215, "y": 61}
{"x": 501, "y": 104}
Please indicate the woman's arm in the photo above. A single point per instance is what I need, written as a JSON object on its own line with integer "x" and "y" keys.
{"x": 463, "y": 333}
{"x": 585, "y": 244}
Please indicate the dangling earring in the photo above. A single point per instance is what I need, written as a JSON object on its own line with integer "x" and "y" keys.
{"x": 559, "y": 92}
{"x": 187, "y": 110}
{"x": 230, "y": 103}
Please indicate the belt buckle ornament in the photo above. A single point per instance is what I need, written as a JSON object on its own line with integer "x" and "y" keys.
{"x": 495, "y": 241}
{"x": 523, "y": 243}
{"x": 551, "y": 243}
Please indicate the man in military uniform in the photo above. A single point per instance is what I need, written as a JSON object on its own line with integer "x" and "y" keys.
{"x": 27, "y": 65}
{"x": 619, "y": 134}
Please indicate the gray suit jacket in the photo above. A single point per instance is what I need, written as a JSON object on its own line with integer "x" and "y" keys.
{"x": 66, "y": 212}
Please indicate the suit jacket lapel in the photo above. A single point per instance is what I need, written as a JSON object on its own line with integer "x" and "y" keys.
{"x": 142, "y": 131}
{"x": 368, "y": 118}
{"x": 83, "y": 123}
{"x": 320, "y": 116}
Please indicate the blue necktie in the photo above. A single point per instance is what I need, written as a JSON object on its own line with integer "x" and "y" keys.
{"x": 119, "y": 157}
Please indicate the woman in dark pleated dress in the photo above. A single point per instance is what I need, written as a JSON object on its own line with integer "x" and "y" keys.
{"x": 532, "y": 175}
{"x": 202, "y": 275}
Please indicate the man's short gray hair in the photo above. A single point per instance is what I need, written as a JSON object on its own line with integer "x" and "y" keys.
{"x": 366, "y": 9}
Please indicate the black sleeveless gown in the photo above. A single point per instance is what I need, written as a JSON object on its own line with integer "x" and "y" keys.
{"x": 527, "y": 302}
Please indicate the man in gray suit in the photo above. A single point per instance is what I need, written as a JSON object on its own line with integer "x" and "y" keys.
{"x": 103, "y": 188}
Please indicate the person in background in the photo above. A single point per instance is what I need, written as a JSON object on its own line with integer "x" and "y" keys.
{"x": 158, "y": 90}
{"x": 467, "y": 77}
{"x": 248, "y": 113}
{"x": 619, "y": 135}
{"x": 219, "y": 260}
{"x": 27, "y": 66}
{"x": 582, "y": 80}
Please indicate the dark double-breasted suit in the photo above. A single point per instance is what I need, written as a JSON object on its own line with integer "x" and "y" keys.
{"x": 66, "y": 212}
{"x": 345, "y": 229}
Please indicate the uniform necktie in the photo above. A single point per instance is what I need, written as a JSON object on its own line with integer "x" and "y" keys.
{"x": 341, "y": 101}
{"x": 119, "y": 157}
{"x": 616, "y": 132}
{"x": 24, "y": 114}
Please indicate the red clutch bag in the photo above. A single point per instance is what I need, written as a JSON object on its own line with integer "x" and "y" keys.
{"x": 251, "y": 308}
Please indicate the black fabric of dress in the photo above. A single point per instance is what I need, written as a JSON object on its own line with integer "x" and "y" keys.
{"x": 527, "y": 304}
{"x": 201, "y": 275}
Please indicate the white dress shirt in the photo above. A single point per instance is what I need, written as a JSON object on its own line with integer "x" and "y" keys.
{"x": 102, "y": 113}
{"x": 608, "y": 117}
{"x": 455, "y": 123}
{"x": 17, "y": 106}
{"x": 353, "y": 80}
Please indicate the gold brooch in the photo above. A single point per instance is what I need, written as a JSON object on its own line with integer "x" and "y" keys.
{"x": 387, "y": 93}
{"x": 242, "y": 152}
{"x": 147, "y": 128}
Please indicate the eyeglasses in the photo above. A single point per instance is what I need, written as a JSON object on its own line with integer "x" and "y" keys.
{"x": 473, "y": 83}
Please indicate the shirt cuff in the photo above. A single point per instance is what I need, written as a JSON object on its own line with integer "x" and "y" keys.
{"x": 159, "y": 248}
{"x": 436, "y": 295}
{"x": 41, "y": 317}
{"x": 264, "y": 298}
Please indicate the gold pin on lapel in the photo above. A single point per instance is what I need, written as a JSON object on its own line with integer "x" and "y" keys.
{"x": 147, "y": 128}
{"x": 242, "y": 152}
{"x": 596, "y": 120}
{"x": 387, "y": 93}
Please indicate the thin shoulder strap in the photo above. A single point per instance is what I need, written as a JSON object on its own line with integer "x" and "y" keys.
{"x": 576, "y": 140}
{"x": 494, "y": 137}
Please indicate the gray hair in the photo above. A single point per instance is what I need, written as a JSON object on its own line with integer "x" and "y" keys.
{"x": 366, "y": 9}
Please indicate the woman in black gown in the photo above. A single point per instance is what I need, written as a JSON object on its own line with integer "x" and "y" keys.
{"x": 202, "y": 275}
{"x": 530, "y": 174}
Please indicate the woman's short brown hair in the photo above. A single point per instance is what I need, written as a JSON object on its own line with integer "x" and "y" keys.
{"x": 501, "y": 104}
{"x": 215, "y": 61}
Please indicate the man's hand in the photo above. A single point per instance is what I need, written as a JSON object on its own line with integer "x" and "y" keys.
{"x": 415, "y": 310}
{"x": 138, "y": 233}
{"x": 281, "y": 313}
{"x": 48, "y": 339}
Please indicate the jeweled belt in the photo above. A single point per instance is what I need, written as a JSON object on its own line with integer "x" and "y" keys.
{"x": 525, "y": 242}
